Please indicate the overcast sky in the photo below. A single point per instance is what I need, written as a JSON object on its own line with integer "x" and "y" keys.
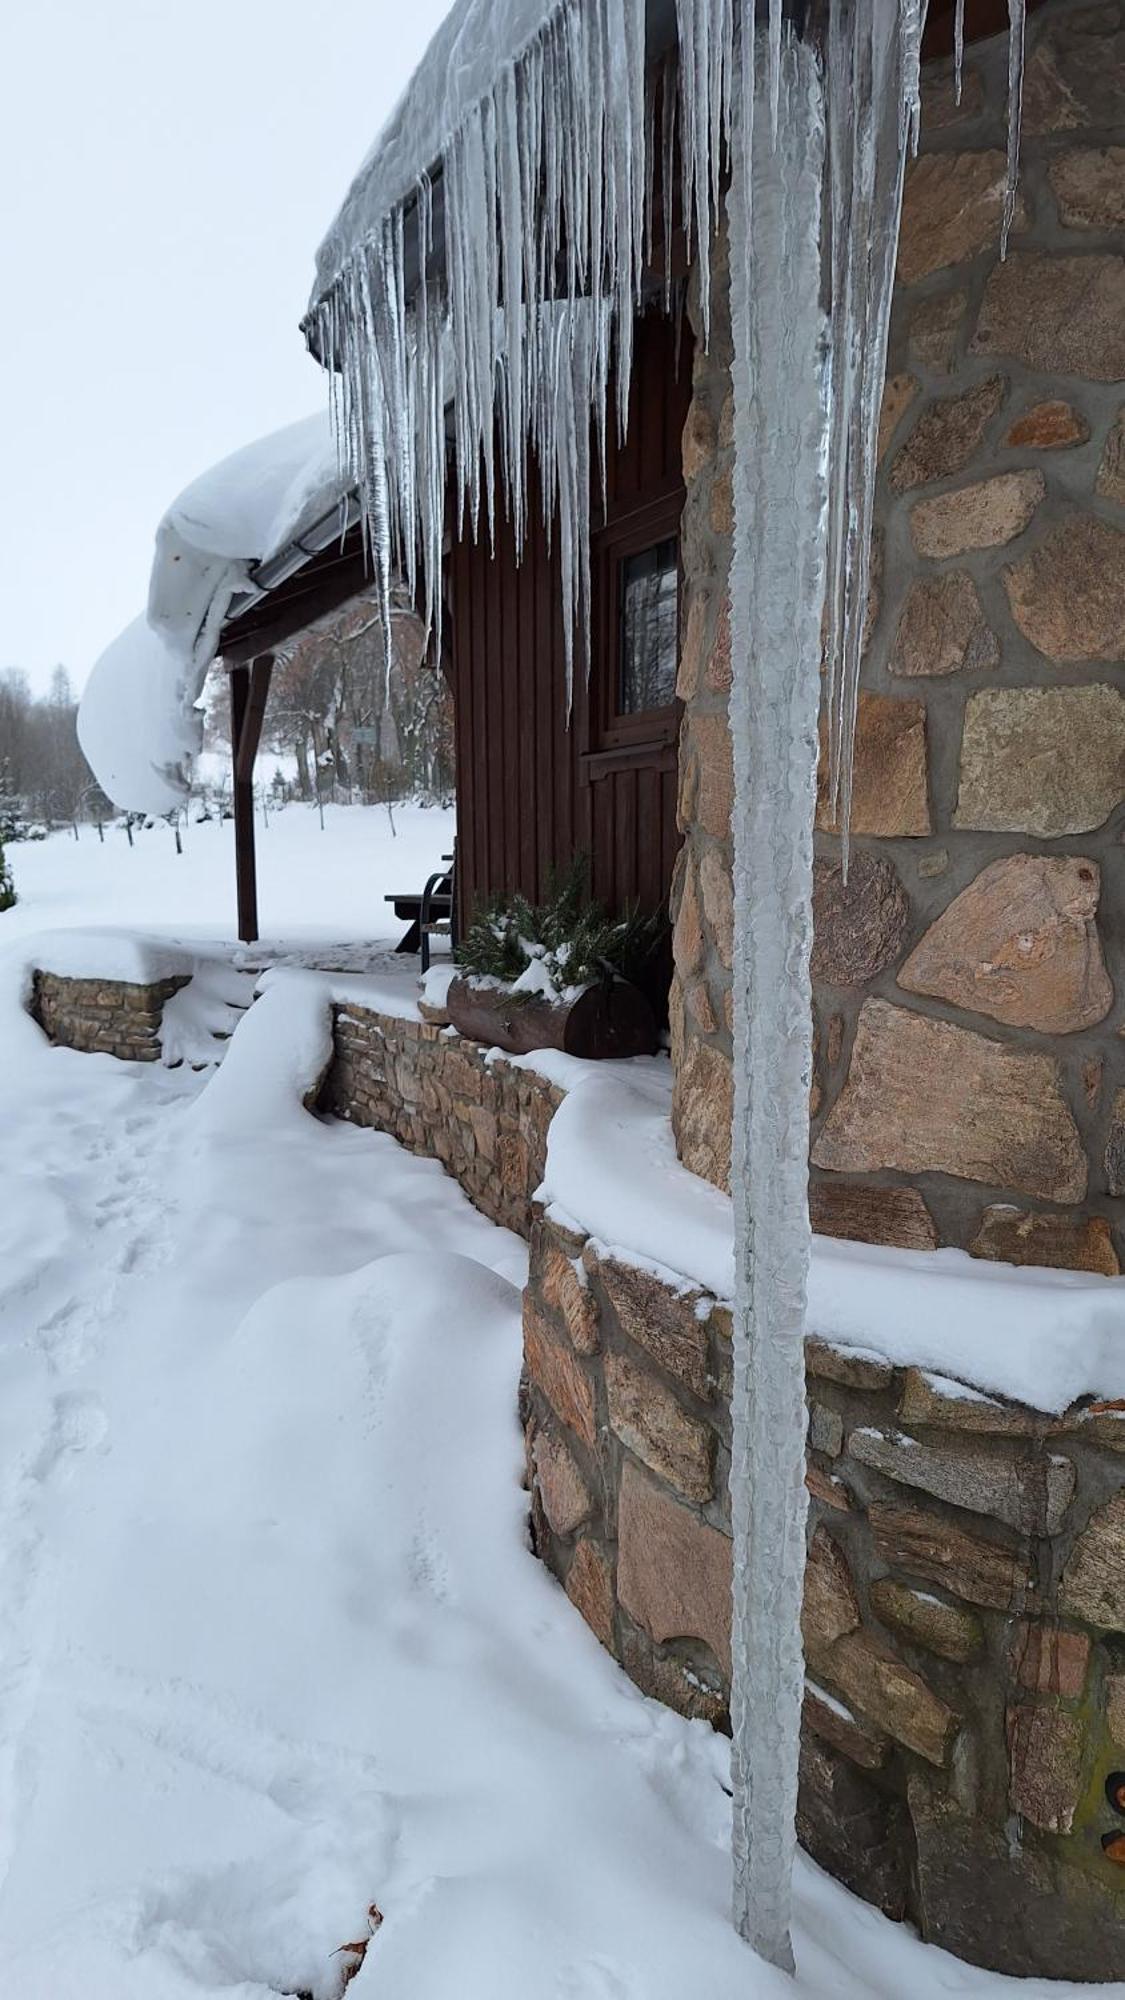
{"x": 167, "y": 172}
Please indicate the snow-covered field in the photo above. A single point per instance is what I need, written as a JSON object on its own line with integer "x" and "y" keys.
{"x": 273, "y": 1649}
{"x": 313, "y": 886}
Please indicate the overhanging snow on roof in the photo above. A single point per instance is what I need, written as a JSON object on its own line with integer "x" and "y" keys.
{"x": 235, "y": 531}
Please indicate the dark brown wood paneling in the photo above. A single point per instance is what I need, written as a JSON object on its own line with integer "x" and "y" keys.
{"x": 532, "y": 787}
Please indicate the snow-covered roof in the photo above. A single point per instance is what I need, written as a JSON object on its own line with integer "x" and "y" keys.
{"x": 457, "y": 70}
{"x": 138, "y": 723}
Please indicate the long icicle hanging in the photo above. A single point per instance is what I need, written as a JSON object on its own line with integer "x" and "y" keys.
{"x": 777, "y": 591}
{"x": 873, "y": 101}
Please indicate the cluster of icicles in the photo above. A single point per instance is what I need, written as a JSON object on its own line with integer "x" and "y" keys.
{"x": 543, "y": 198}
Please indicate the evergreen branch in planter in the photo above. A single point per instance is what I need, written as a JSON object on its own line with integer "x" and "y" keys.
{"x": 565, "y": 943}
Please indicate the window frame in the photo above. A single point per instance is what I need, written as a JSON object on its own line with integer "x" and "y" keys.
{"x": 614, "y": 728}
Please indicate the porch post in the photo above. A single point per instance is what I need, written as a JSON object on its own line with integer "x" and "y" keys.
{"x": 249, "y": 687}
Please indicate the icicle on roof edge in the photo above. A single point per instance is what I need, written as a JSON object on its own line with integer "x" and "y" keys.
{"x": 490, "y": 257}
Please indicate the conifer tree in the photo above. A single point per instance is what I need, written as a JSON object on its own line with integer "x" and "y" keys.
{"x": 7, "y": 886}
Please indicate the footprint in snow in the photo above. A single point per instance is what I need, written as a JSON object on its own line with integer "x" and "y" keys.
{"x": 595, "y": 1979}
{"x": 78, "y": 1423}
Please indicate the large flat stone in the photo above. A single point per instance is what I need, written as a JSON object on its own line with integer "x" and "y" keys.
{"x": 673, "y": 1571}
{"x": 942, "y": 629}
{"x": 937, "y": 1400}
{"x": 665, "y": 1322}
{"x": 890, "y": 796}
{"x": 946, "y": 435}
{"x": 718, "y": 901}
{"x": 1011, "y": 1905}
{"x": 589, "y": 1586}
{"x": 951, "y": 210}
{"x": 555, "y": 1370}
{"x": 1050, "y": 1660}
{"x": 863, "y": 1214}
{"x": 1115, "y": 1147}
{"x": 893, "y": 1696}
{"x": 1093, "y": 1582}
{"x": 676, "y": 1682}
{"x": 1059, "y": 315}
{"x": 899, "y": 392}
{"x": 1073, "y": 75}
{"x": 924, "y": 1096}
{"x": 1046, "y": 761}
{"x": 930, "y": 1547}
{"x": 707, "y": 786}
{"x": 651, "y": 1422}
{"x": 851, "y": 1368}
{"x": 858, "y": 924}
{"x": 949, "y": 1630}
{"x": 1059, "y": 1242}
{"x": 934, "y": 327}
{"x": 1111, "y": 471}
{"x": 857, "y": 1831}
{"x": 1068, "y": 594}
{"x": 831, "y": 1607}
{"x": 564, "y": 1286}
{"x": 984, "y": 516}
{"x": 1088, "y": 184}
{"x": 833, "y": 1721}
{"x": 1020, "y": 944}
{"x": 1045, "y": 1748}
{"x": 703, "y": 1105}
{"x": 1051, "y": 426}
{"x": 1029, "y": 1494}
{"x": 566, "y": 1499}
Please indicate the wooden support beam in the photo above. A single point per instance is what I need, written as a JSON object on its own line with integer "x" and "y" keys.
{"x": 328, "y": 580}
{"x": 249, "y": 687}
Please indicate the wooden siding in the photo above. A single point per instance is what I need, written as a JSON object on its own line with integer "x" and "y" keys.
{"x": 532, "y": 791}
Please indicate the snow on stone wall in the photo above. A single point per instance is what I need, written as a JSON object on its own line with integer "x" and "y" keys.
{"x": 964, "y": 1699}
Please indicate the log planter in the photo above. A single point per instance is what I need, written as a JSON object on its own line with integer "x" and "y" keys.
{"x": 610, "y": 1019}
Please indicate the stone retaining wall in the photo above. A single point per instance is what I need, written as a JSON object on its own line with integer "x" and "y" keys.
{"x": 486, "y": 1121}
{"x": 969, "y": 980}
{"x": 964, "y": 1601}
{"x": 113, "y": 1016}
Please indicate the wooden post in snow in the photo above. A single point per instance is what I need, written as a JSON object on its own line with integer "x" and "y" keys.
{"x": 249, "y": 687}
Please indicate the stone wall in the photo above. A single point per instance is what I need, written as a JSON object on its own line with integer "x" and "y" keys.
{"x": 964, "y": 1601}
{"x": 970, "y": 1072}
{"x": 113, "y": 1016}
{"x": 485, "y": 1120}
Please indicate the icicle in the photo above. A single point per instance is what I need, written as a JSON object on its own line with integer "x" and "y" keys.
{"x": 958, "y": 50}
{"x": 1017, "y": 25}
{"x": 777, "y": 589}
{"x": 776, "y": 7}
{"x": 872, "y": 92}
{"x": 912, "y": 19}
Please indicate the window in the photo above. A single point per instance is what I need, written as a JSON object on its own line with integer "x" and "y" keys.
{"x": 649, "y": 586}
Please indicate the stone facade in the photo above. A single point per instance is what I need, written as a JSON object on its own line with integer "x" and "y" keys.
{"x": 485, "y": 1120}
{"x": 113, "y": 1016}
{"x": 964, "y": 1615}
{"x": 969, "y": 976}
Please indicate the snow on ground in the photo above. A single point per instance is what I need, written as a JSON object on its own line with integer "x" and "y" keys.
{"x": 274, "y": 1647}
{"x": 314, "y": 887}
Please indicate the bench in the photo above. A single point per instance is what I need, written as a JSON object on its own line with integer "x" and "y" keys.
{"x": 428, "y": 913}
